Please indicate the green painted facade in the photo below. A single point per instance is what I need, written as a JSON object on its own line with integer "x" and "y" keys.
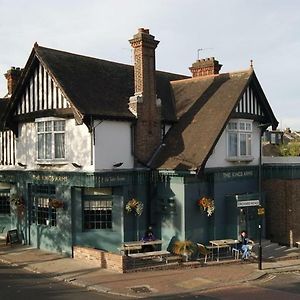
{"x": 170, "y": 206}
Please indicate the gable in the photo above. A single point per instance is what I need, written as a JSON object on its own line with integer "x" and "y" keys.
{"x": 204, "y": 106}
{"x": 40, "y": 93}
{"x": 249, "y": 104}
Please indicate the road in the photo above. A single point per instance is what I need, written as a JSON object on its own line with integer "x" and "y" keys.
{"x": 272, "y": 286}
{"x": 19, "y": 284}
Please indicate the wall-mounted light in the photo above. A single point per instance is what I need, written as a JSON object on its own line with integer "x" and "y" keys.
{"x": 76, "y": 165}
{"x": 21, "y": 165}
{"x": 117, "y": 165}
{"x": 168, "y": 206}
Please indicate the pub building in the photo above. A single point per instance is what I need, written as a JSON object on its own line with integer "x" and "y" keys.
{"x": 81, "y": 137}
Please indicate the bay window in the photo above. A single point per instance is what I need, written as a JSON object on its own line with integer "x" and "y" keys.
{"x": 51, "y": 140}
{"x": 239, "y": 140}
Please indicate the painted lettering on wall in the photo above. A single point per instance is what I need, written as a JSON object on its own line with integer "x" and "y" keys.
{"x": 248, "y": 173}
{"x": 51, "y": 178}
{"x": 110, "y": 179}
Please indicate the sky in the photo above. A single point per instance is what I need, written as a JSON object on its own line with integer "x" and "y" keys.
{"x": 232, "y": 31}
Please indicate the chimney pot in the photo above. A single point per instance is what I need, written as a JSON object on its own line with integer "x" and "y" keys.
{"x": 12, "y": 75}
{"x": 205, "y": 66}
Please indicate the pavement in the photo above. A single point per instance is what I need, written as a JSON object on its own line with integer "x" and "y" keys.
{"x": 148, "y": 284}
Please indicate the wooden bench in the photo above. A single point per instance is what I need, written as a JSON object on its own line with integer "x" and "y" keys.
{"x": 162, "y": 254}
{"x": 126, "y": 249}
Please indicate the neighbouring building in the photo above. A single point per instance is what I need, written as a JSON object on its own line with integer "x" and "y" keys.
{"x": 83, "y": 136}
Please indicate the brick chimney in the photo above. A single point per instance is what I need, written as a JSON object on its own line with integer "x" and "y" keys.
{"x": 205, "y": 67}
{"x": 12, "y": 76}
{"x": 144, "y": 104}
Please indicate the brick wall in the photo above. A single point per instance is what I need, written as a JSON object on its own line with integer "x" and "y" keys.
{"x": 100, "y": 258}
{"x": 282, "y": 210}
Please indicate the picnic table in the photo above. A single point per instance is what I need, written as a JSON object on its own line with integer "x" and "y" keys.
{"x": 127, "y": 247}
{"x": 224, "y": 243}
{"x": 137, "y": 245}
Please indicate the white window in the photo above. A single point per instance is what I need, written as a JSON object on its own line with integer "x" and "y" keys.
{"x": 239, "y": 138}
{"x": 51, "y": 140}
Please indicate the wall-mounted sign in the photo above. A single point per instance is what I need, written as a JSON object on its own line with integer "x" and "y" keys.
{"x": 247, "y": 203}
{"x": 261, "y": 211}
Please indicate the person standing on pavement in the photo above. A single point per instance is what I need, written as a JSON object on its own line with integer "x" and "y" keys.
{"x": 244, "y": 246}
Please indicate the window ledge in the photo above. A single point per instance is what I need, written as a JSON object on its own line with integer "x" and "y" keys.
{"x": 240, "y": 158}
{"x": 51, "y": 163}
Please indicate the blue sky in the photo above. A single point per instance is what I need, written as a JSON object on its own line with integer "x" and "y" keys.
{"x": 233, "y": 31}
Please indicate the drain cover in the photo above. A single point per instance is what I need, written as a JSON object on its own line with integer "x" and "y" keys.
{"x": 140, "y": 289}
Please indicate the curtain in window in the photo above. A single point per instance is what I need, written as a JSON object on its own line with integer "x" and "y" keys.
{"x": 41, "y": 146}
{"x": 232, "y": 147}
{"x": 48, "y": 143}
{"x": 243, "y": 144}
{"x": 59, "y": 142}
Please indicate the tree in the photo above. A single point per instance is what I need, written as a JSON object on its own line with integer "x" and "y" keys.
{"x": 290, "y": 149}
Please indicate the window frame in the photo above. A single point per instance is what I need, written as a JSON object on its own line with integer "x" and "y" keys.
{"x": 5, "y": 208}
{"x": 41, "y": 210}
{"x": 239, "y": 131}
{"x": 53, "y": 133}
{"x": 103, "y": 218}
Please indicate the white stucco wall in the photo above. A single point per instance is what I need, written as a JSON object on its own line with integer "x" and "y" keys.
{"x": 77, "y": 143}
{"x": 113, "y": 145}
{"x": 219, "y": 155}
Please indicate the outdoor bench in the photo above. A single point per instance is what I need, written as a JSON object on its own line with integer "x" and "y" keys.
{"x": 129, "y": 248}
{"x": 162, "y": 254}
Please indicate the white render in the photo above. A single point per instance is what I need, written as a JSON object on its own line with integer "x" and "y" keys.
{"x": 78, "y": 148}
{"x": 113, "y": 145}
{"x": 218, "y": 159}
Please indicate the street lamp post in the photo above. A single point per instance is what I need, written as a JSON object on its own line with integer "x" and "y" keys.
{"x": 262, "y": 127}
{"x": 259, "y": 195}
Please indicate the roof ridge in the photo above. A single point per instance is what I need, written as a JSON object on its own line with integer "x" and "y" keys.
{"x": 37, "y": 47}
{"x": 199, "y": 78}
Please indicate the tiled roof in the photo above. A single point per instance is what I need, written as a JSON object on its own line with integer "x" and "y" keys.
{"x": 203, "y": 106}
{"x": 99, "y": 87}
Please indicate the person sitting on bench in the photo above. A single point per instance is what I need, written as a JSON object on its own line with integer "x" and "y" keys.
{"x": 243, "y": 245}
{"x": 148, "y": 237}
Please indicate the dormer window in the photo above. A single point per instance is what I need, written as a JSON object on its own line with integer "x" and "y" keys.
{"x": 239, "y": 140}
{"x": 51, "y": 140}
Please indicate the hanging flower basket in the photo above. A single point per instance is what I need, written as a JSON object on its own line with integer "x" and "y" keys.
{"x": 55, "y": 203}
{"x": 135, "y": 206}
{"x": 207, "y": 204}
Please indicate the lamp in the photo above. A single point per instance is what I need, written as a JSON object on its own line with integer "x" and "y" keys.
{"x": 168, "y": 205}
{"x": 21, "y": 165}
{"x": 76, "y": 165}
{"x": 117, "y": 165}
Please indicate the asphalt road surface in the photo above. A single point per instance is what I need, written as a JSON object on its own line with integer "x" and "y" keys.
{"x": 273, "y": 286}
{"x": 19, "y": 284}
